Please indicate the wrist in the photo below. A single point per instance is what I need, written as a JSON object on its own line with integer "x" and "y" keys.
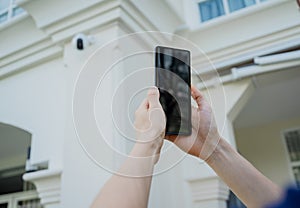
{"x": 220, "y": 152}
{"x": 147, "y": 149}
{"x": 140, "y": 162}
{"x": 210, "y": 145}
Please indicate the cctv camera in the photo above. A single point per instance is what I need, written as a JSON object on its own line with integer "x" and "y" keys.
{"x": 81, "y": 41}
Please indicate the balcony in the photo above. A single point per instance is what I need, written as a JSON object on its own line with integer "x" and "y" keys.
{"x": 26, "y": 199}
{"x": 14, "y": 191}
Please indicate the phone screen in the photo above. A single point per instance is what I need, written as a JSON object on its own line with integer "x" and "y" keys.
{"x": 173, "y": 79}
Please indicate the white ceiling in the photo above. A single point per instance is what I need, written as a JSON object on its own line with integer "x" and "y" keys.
{"x": 277, "y": 97}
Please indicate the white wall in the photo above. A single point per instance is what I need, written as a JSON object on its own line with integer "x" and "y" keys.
{"x": 263, "y": 147}
{"x": 82, "y": 178}
{"x": 34, "y": 101}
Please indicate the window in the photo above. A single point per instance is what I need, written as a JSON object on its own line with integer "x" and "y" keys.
{"x": 239, "y": 4}
{"x": 292, "y": 143}
{"x": 211, "y": 9}
{"x": 234, "y": 202}
{"x": 9, "y": 10}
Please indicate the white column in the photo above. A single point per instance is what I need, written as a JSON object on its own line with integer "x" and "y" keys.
{"x": 209, "y": 192}
{"x": 48, "y": 185}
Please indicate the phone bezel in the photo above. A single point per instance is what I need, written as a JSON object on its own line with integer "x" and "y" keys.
{"x": 157, "y": 50}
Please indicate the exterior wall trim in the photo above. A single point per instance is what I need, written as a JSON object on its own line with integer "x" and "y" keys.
{"x": 48, "y": 184}
{"x": 57, "y": 33}
{"x": 30, "y": 61}
{"x": 210, "y": 188}
{"x": 250, "y": 49}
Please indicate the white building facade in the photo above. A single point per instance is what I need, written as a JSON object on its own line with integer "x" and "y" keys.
{"x": 248, "y": 67}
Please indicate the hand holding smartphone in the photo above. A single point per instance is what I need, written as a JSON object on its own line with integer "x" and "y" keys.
{"x": 173, "y": 79}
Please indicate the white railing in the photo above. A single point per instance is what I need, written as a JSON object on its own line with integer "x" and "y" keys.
{"x": 26, "y": 199}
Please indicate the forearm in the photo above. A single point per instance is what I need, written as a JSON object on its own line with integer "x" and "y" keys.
{"x": 253, "y": 188}
{"x": 130, "y": 187}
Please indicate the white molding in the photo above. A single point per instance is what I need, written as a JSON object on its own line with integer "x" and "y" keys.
{"x": 85, "y": 26}
{"x": 249, "y": 71}
{"x": 97, "y": 15}
{"x": 129, "y": 25}
{"x": 235, "y": 54}
{"x": 28, "y": 52}
{"x": 48, "y": 184}
{"x": 82, "y": 16}
{"x": 209, "y": 188}
{"x": 124, "y": 12}
{"x": 13, "y": 21}
{"x": 38, "y": 46}
{"x": 30, "y": 61}
{"x": 259, "y": 43}
{"x": 44, "y": 19}
{"x": 100, "y": 12}
{"x": 100, "y": 15}
{"x": 136, "y": 16}
{"x": 177, "y": 13}
{"x": 11, "y": 35}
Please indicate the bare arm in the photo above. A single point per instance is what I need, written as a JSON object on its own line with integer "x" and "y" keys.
{"x": 253, "y": 188}
{"x": 129, "y": 188}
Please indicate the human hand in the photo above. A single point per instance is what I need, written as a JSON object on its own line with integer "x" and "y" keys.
{"x": 204, "y": 137}
{"x": 150, "y": 124}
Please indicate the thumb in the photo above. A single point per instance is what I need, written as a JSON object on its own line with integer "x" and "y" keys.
{"x": 153, "y": 97}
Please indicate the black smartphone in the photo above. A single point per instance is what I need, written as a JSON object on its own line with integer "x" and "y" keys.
{"x": 173, "y": 79}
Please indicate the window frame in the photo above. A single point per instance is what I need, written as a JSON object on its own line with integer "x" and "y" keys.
{"x": 227, "y": 11}
{"x": 9, "y": 10}
{"x": 291, "y": 164}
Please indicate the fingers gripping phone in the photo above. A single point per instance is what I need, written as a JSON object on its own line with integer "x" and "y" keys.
{"x": 173, "y": 79}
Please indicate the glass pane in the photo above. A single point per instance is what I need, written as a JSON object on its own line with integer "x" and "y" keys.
{"x": 3, "y": 17}
{"x": 211, "y": 9}
{"x": 17, "y": 10}
{"x": 4, "y": 4}
{"x": 293, "y": 144}
{"x": 239, "y": 4}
